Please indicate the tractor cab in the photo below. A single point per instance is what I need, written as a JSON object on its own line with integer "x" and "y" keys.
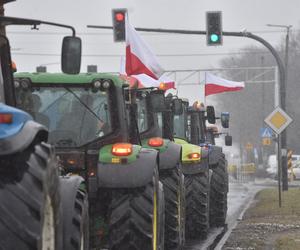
{"x": 81, "y": 112}
{"x": 181, "y": 123}
{"x": 146, "y": 107}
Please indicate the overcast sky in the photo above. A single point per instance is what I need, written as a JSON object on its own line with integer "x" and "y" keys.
{"x": 174, "y": 51}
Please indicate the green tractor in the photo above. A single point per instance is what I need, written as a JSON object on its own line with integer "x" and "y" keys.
{"x": 147, "y": 107}
{"x": 39, "y": 209}
{"x": 205, "y": 136}
{"x": 194, "y": 166}
{"x": 86, "y": 115}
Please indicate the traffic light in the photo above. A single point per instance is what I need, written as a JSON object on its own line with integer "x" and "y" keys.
{"x": 289, "y": 158}
{"x": 214, "y": 28}
{"x": 118, "y": 16}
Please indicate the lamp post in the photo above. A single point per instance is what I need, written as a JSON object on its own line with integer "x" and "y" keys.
{"x": 283, "y": 105}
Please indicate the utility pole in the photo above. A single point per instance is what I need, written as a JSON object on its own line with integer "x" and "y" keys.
{"x": 283, "y": 106}
{"x": 263, "y": 111}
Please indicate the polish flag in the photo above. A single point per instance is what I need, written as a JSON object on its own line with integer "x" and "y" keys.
{"x": 139, "y": 58}
{"x": 215, "y": 85}
{"x": 145, "y": 81}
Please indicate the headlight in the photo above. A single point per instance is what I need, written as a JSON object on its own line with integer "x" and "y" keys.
{"x": 106, "y": 84}
{"x": 17, "y": 84}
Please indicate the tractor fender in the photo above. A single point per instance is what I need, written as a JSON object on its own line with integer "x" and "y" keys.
{"x": 170, "y": 157}
{"x": 195, "y": 168}
{"x": 18, "y": 142}
{"x": 215, "y": 154}
{"x": 128, "y": 175}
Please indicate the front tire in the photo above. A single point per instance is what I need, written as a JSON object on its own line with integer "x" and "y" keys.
{"x": 197, "y": 205}
{"x": 218, "y": 197}
{"x": 29, "y": 200}
{"x": 75, "y": 214}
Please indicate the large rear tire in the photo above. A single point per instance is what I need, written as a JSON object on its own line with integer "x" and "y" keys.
{"x": 174, "y": 212}
{"x": 218, "y": 196}
{"x": 197, "y": 205}
{"x": 134, "y": 221}
{"x": 29, "y": 200}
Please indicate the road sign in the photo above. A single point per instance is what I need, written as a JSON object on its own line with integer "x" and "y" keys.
{"x": 278, "y": 120}
{"x": 266, "y": 141}
{"x": 266, "y": 132}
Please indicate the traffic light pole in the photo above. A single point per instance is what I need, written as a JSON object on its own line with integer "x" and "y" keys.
{"x": 281, "y": 69}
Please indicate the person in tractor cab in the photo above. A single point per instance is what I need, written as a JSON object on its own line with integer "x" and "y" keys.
{"x": 33, "y": 105}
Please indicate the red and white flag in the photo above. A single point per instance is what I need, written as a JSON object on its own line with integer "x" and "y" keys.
{"x": 215, "y": 85}
{"x": 145, "y": 81}
{"x": 139, "y": 58}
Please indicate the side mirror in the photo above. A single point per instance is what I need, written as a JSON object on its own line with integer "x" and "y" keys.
{"x": 157, "y": 100}
{"x": 228, "y": 140}
{"x": 177, "y": 108}
{"x": 225, "y": 119}
{"x": 211, "y": 117}
{"x": 71, "y": 55}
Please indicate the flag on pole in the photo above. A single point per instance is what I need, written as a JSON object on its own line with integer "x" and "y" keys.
{"x": 145, "y": 81}
{"x": 215, "y": 85}
{"x": 139, "y": 58}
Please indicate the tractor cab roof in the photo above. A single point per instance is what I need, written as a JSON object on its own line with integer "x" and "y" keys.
{"x": 61, "y": 78}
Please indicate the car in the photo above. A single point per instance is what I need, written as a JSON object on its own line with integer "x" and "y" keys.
{"x": 294, "y": 172}
{"x": 272, "y": 166}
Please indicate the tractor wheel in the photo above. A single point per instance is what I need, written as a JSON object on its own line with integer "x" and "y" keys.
{"x": 29, "y": 200}
{"x": 75, "y": 215}
{"x": 218, "y": 194}
{"x": 173, "y": 189}
{"x": 197, "y": 205}
{"x": 134, "y": 221}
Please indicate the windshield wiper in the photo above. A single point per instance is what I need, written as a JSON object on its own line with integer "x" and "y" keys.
{"x": 86, "y": 106}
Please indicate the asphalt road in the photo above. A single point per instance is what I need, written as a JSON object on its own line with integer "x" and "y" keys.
{"x": 239, "y": 198}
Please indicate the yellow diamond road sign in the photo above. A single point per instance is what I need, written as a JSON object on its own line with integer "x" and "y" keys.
{"x": 278, "y": 120}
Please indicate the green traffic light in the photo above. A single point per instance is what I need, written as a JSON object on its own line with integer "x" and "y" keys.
{"x": 214, "y": 38}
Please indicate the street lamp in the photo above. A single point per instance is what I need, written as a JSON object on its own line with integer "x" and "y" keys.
{"x": 283, "y": 104}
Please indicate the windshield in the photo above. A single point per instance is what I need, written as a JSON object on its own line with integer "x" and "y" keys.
{"x": 202, "y": 127}
{"x": 179, "y": 126}
{"x": 159, "y": 117}
{"x": 74, "y": 116}
{"x": 142, "y": 117}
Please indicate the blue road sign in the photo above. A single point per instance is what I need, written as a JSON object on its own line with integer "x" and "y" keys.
{"x": 266, "y": 132}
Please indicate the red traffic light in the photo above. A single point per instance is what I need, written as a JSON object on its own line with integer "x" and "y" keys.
{"x": 120, "y": 16}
